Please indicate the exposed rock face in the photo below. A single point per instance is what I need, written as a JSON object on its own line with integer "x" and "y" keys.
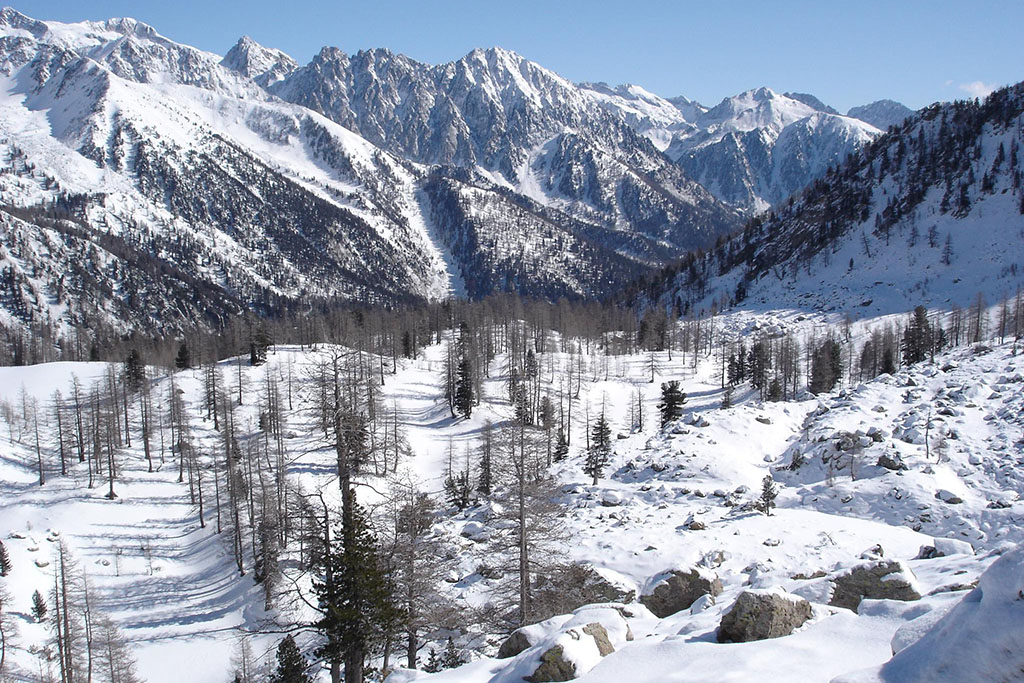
{"x": 884, "y": 580}
{"x": 758, "y": 615}
{"x": 679, "y": 590}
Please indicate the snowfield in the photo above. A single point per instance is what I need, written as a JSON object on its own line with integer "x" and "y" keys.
{"x": 679, "y": 498}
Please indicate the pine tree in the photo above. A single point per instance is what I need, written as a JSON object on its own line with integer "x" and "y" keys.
{"x": 451, "y": 657}
{"x": 947, "y": 250}
{"x": 134, "y": 371}
{"x": 672, "y": 400}
{"x": 600, "y": 448}
{"x": 433, "y": 664}
{"x": 183, "y": 361}
{"x": 353, "y": 593}
{"x": 561, "y": 447}
{"x": 5, "y": 560}
{"x": 917, "y": 341}
{"x": 826, "y": 367}
{"x": 291, "y": 665}
{"x": 768, "y": 495}
{"x": 38, "y": 606}
{"x": 464, "y": 388}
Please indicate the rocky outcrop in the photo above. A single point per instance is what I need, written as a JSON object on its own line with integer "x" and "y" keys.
{"x": 883, "y": 580}
{"x": 678, "y": 590}
{"x": 759, "y": 615}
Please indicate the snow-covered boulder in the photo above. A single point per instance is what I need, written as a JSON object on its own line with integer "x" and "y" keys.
{"x": 572, "y": 655}
{"x": 943, "y": 547}
{"x": 882, "y": 580}
{"x": 891, "y": 461}
{"x": 763, "y": 614}
{"x": 676, "y": 590}
{"x": 981, "y": 639}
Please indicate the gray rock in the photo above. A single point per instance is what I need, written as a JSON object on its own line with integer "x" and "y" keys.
{"x": 514, "y": 644}
{"x": 891, "y": 461}
{"x": 679, "y": 591}
{"x": 600, "y": 636}
{"x": 758, "y": 615}
{"x": 874, "y": 580}
{"x": 553, "y": 667}
{"x": 571, "y": 587}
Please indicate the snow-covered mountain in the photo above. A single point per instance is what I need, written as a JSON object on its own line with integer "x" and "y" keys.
{"x": 881, "y": 114}
{"x": 519, "y": 124}
{"x": 927, "y": 214}
{"x": 158, "y": 157}
{"x": 756, "y": 149}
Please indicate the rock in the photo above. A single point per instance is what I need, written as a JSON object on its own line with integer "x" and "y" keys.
{"x": 696, "y": 525}
{"x": 474, "y": 531}
{"x": 891, "y": 461}
{"x": 948, "y": 497}
{"x": 759, "y": 615}
{"x": 883, "y": 580}
{"x": 514, "y": 644}
{"x": 553, "y": 667}
{"x": 875, "y": 552}
{"x": 573, "y": 586}
{"x": 702, "y": 603}
{"x": 556, "y": 666}
{"x": 763, "y": 419}
{"x": 611, "y": 498}
{"x": 677, "y": 590}
{"x": 943, "y": 547}
{"x": 600, "y": 636}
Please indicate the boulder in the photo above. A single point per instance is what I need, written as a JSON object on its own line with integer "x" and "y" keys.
{"x": 514, "y": 644}
{"x": 600, "y": 636}
{"x": 882, "y": 580}
{"x": 559, "y": 662}
{"x": 677, "y": 590}
{"x": 553, "y": 667}
{"x": 943, "y": 547}
{"x": 763, "y": 614}
{"x": 891, "y": 461}
{"x": 572, "y": 586}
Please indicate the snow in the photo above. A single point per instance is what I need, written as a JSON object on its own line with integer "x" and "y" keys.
{"x": 193, "y": 604}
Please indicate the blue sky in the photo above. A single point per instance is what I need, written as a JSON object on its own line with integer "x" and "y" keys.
{"x": 915, "y": 51}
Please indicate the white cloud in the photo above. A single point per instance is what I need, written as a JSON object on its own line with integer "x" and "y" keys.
{"x": 978, "y": 88}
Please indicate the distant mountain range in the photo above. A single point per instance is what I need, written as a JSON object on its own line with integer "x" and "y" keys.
{"x": 202, "y": 185}
{"x": 926, "y": 215}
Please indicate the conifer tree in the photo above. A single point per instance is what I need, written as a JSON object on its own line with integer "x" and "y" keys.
{"x": 600, "y": 448}
{"x": 451, "y": 657}
{"x": 38, "y": 606}
{"x": 291, "y": 665}
{"x": 134, "y": 371}
{"x": 433, "y": 664}
{"x": 5, "y": 560}
{"x": 354, "y": 595}
{"x": 561, "y": 447}
{"x": 464, "y": 388}
{"x": 183, "y": 360}
{"x": 768, "y": 495}
{"x": 672, "y": 400}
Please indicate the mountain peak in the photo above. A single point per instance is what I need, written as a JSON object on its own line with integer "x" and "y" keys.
{"x": 882, "y": 113}
{"x": 263, "y": 64}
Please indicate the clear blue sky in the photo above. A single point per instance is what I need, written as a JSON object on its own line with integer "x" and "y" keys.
{"x": 846, "y": 53}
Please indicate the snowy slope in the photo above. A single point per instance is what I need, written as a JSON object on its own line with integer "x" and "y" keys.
{"x": 634, "y": 525}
